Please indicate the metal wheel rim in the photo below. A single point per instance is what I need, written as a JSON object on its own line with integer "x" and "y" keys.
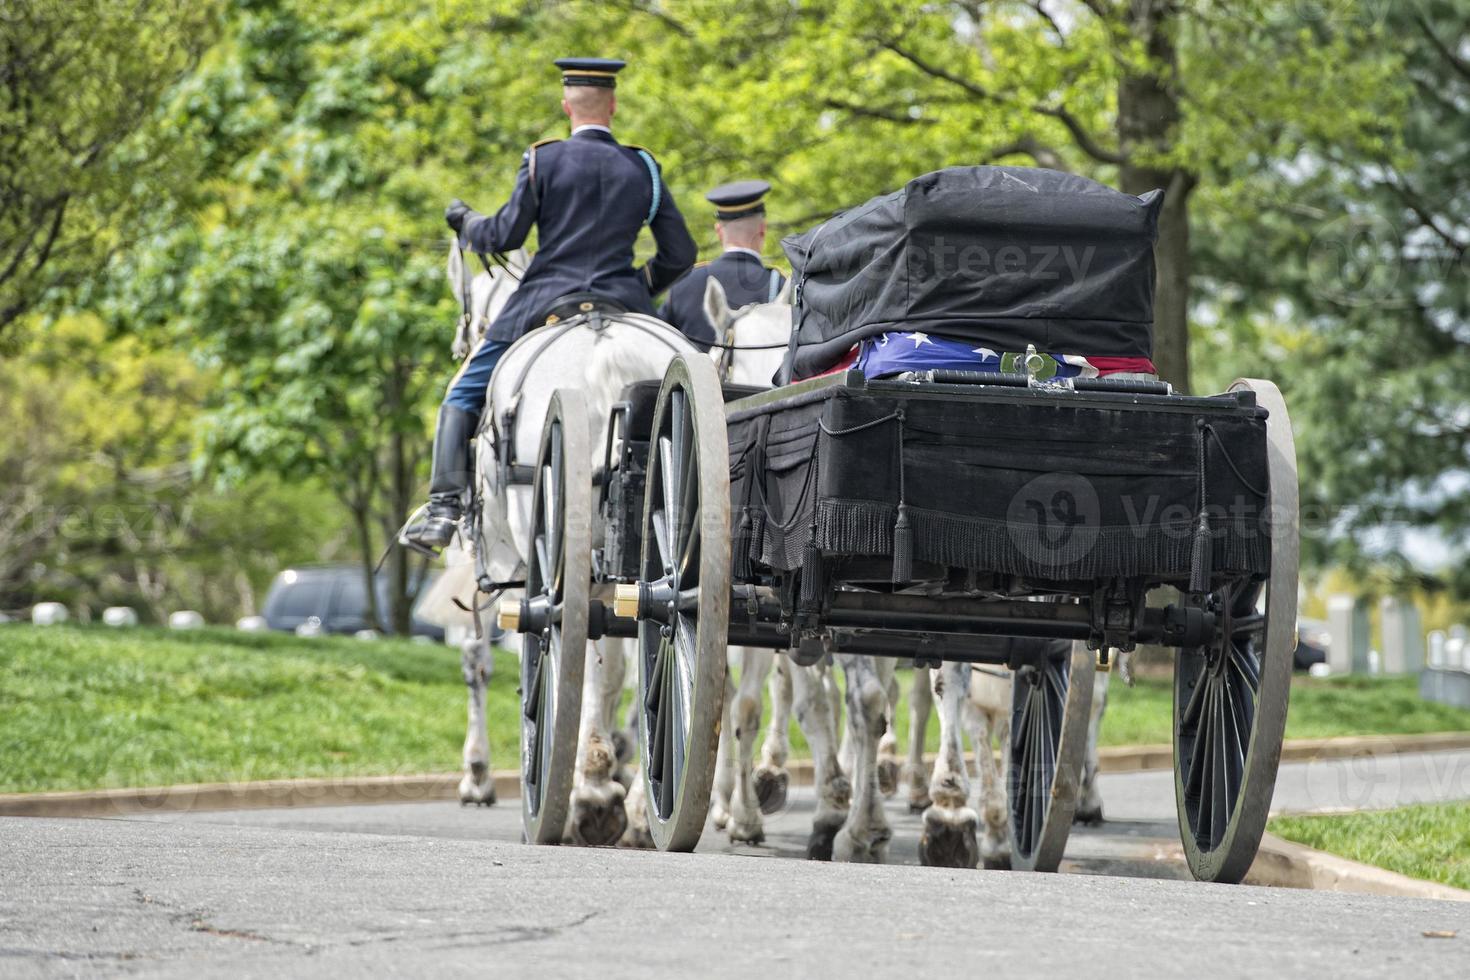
{"x": 1230, "y": 702}
{"x": 681, "y": 668}
{"x": 552, "y": 662}
{"x": 1049, "y": 714}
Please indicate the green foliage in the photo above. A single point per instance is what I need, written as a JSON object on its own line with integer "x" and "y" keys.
{"x": 98, "y": 502}
{"x": 1349, "y": 267}
{"x": 1429, "y": 841}
{"x": 86, "y": 708}
{"x": 84, "y": 163}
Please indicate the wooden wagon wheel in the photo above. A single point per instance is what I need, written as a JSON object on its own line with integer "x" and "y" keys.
{"x": 1050, "y": 702}
{"x": 553, "y": 656}
{"x": 685, "y": 583}
{"x": 1230, "y": 700}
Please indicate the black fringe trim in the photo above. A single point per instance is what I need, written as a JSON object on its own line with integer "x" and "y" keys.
{"x": 865, "y": 527}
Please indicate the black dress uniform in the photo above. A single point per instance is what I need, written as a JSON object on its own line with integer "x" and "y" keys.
{"x": 745, "y": 277}
{"x": 589, "y": 196}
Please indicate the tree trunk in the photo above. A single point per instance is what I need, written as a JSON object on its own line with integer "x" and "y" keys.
{"x": 400, "y": 596}
{"x": 362, "y": 521}
{"x": 1148, "y": 118}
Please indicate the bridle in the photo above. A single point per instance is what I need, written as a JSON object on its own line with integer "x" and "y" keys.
{"x": 467, "y": 316}
{"x": 725, "y": 359}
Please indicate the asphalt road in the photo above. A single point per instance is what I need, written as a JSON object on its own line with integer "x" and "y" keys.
{"x": 435, "y": 887}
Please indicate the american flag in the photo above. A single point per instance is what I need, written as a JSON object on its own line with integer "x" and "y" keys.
{"x": 894, "y": 353}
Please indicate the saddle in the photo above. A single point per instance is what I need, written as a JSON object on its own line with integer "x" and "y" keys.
{"x": 577, "y": 304}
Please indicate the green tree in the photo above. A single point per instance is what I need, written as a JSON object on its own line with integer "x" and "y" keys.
{"x": 842, "y": 99}
{"x": 99, "y": 503}
{"x": 1353, "y": 266}
{"x": 308, "y": 276}
{"x": 82, "y": 164}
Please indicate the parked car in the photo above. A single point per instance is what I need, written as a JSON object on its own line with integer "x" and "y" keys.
{"x": 334, "y": 596}
{"x": 1312, "y": 638}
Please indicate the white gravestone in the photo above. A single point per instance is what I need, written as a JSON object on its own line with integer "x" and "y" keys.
{"x": 1347, "y": 622}
{"x": 1403, "y": 637}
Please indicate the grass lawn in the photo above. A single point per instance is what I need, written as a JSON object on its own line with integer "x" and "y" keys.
{"x": 1320, "y": 708}
{"x": 1430, "y": 841}
{"x": 90, "y": 707}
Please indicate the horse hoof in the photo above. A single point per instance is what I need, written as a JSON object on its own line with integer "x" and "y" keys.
{"x": 770, "y": 788}
{"x": 477, "y": 787}
{"x": 996, "y": 862}
{"x": 1088, "y": 815}
{"x": 637, "y": 837}
{"x": 746, "y": 833}
{"x": 598, "y": 815}
{"x": 719, "y": 816}
{"x": 823, "y": 838}
{"x": 872, "y": 850}
{"x": 888, "y": 776}
{"x": 948, "y": 839}
{"x": 918, "y": 804}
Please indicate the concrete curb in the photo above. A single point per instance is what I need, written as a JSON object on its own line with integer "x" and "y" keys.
{"x": 1132, "y": 758}
{"x": 1287, "y": 864}
{"x": 248, "y": 795}
{"x": 444, "y": 786}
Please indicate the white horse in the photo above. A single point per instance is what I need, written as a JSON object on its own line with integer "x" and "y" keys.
{"x": 600, "y": 363}
{"x": 849, "y": 804}
{"x": 964, "y": 824}
{"x": 1089, "y": 798}
{"x": 481, "y": 298}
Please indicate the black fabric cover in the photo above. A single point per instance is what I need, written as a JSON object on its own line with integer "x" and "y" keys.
{"x": 1060, "y": 489}
{"x": 1003, "y": 256}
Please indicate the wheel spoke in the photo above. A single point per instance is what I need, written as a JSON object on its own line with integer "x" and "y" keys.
{"x": 668, "y": 479}
{"x": 683, "y": 671}
{"x": 661, "y": 542}
{"x": 689, "y": 554}
{"x": 1189, "y": 717}
{"x": 667, "y": 720}
{"x": 1220, "y": 796}
{"x": 654, "y": 704}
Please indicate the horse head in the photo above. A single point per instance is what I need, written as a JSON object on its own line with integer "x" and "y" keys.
{"x": 482, "y": 296}
{"x": 751, "y": 340}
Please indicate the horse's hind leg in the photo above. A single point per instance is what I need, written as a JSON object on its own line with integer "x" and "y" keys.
{"x": 915, "y": 772}
{"x": 724, "y": 787}
{"x": 771, "y": 776}
{"x": 986, "y": 712}
{"x": 1089, "y": 798}
{"x": 814, "y": 716}
{"x": 478, "y": 785}
{"x": 745, "y": 718}
{"x": 948, "y": 838}
{"x": 888, "y": 767}
{"x": 597, "y": 814}
{"x": 866, "y": 836}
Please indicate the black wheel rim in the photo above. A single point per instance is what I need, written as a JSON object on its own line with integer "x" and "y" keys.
{"x": 670, "y": 652}
{"x": 1217, "y": 691}
{"x": 541, "y": 653}
{"x": 1038, "y": 705}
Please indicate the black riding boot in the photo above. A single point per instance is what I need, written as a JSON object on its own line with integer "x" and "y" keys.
{"x": 449, "y": 479}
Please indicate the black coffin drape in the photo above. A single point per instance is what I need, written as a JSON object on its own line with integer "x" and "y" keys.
{"x": 1003, "y": 256}
{"x": 1059, "y": 486}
